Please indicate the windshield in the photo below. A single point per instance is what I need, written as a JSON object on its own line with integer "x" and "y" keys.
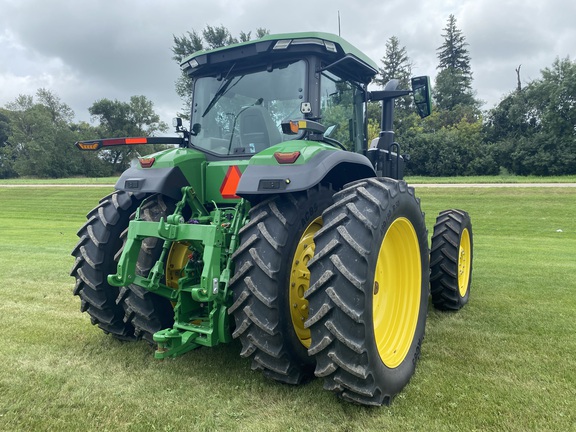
{"x": 242, "y": 114}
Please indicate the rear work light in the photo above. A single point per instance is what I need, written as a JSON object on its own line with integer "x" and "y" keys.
{"x": 282, "y": 44}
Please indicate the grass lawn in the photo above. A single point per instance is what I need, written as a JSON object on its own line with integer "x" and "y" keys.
{"x": 491, "y": 179}
{"x": 507, "y": 361}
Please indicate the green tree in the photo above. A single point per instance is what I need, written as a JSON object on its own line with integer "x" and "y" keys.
{"x": 453, "y": 52}
{"x": 454, "y": 80}
{"x": 533, "y": 131}
{"x": 192, "y": 41}
{"x": 6, "y": 153}
{"x": 59, "y": 111}
{"x": 396, "y": 64}
{"x": 40, "y": 138}
{"x": 122, "y": 119}
{"x": 449, "y": 142}
{"x": 439, "y": 150}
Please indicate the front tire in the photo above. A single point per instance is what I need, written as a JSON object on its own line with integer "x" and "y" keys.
{"x": 368, "y": 291}
{"x": 451, "y": 260}
{"x": 269, "y": 282}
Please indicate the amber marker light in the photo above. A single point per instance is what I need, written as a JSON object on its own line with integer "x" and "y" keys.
{"x": 84, "y": 146}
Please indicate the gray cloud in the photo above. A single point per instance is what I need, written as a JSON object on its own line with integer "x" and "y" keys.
{"x": 85, "y": 51}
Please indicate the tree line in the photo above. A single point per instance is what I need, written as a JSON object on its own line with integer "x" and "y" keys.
{"x": 37, "y": 134}
{"x": 532, "y": 131}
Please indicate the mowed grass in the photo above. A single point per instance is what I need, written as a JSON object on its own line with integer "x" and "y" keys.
{"x": 507, "y": 361}
{"x": 491, "y": 179}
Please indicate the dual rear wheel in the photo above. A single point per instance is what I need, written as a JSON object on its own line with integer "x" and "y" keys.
{"x": 369, "y": 291}
{"x": 338, "y": 284}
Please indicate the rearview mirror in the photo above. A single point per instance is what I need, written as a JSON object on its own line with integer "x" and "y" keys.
{"x": 330, "y": 130}
{"x": 422, "y": 98}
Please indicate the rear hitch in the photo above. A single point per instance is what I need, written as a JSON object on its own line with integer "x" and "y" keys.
{"x": 199, "y": 291}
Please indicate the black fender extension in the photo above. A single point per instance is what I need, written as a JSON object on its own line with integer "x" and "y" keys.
{"x": 165, "y": 181}
{"x": 334, "y": 167}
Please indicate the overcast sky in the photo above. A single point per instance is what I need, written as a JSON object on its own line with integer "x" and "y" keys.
{"x": 85, "y": 50}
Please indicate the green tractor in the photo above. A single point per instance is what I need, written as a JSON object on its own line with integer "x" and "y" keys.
{"x": 276, "y": 222}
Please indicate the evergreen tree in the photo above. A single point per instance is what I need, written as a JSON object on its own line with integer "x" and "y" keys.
{"x": 454, "y": 80}
{"x": 453, "y": 52}
{"x": 396, "y": 64}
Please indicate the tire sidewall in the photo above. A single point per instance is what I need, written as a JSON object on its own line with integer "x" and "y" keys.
{"x": 402, "y": 205}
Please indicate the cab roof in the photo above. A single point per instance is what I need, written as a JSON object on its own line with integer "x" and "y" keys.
{"x": 279, "y": 47}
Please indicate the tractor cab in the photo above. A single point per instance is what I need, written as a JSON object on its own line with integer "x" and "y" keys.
{"x": 244, "y": 94}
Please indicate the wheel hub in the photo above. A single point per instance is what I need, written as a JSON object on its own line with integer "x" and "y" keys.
{"x": 464, "y": 263}
{"x": 396, "y": 293}
{"x": 300, "y": 281}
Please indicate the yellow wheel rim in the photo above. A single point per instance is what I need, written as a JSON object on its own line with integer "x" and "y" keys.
{"x": 300, "y": 281}
{"x": 464, "y": 263}
{"x": 178, "y": 257}
{"x": 397, "y": 292}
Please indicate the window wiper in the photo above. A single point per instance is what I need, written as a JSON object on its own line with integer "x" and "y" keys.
{"x": 220, "y": 92}
{"x": 217, "y": 96}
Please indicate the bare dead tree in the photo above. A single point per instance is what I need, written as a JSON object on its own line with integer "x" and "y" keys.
{"x": 519, "y": 86}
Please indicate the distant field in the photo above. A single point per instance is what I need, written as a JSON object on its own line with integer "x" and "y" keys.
{"x": 507, "y": 361}
{"x": 61, "y": 181}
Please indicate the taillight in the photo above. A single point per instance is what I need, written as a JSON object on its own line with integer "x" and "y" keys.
{"x": 146, "y": 162}
{"x": 286, "y": 158}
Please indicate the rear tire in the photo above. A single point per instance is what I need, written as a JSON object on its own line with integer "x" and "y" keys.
{"x": 148, "y": 312}
{"x": 96, "y": 258}
{"x": 451, "y": 260}
{"x": 270, "y": 280}
{"x": 368, "y": 291}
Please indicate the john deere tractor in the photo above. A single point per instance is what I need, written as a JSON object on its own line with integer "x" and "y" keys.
{"x": 273, "y": 220}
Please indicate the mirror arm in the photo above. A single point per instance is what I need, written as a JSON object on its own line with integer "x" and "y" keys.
{"x": 379, "y": 95}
